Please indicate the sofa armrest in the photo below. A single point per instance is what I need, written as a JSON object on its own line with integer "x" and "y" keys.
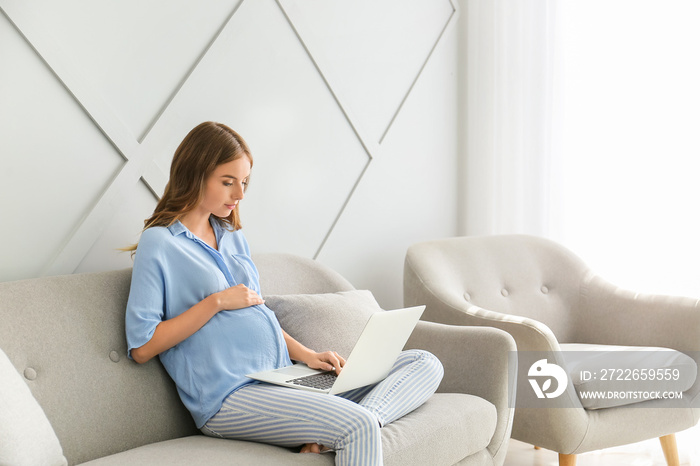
{"x": 478, "y": 361}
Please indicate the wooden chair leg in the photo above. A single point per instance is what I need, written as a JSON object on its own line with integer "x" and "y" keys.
{"x": 670, "y": 448}
{"x": 567, "y": 460}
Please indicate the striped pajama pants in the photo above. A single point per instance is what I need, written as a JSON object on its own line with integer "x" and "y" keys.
{"x": 348, "y": 423}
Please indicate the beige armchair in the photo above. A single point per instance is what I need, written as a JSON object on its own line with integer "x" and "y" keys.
{"x": 551, "y": 303}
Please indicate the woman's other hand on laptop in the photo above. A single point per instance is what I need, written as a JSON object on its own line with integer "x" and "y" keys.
{"x": 326, "y": 361}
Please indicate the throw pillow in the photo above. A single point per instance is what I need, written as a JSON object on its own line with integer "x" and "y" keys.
{"x": 27, "y": 436}
{"x": 327, "y": 321}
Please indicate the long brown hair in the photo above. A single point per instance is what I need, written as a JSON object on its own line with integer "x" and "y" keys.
{"x": 207, "y": 146}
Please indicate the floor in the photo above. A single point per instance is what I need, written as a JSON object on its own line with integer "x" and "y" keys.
{"x": 646, "y": 453}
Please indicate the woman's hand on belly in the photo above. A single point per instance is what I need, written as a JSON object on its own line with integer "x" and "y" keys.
{"x": 173, "y": 331}
{"x": 237, "y": 297}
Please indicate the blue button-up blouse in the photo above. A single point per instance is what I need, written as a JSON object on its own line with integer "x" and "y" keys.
{"x": 173, "y": 271}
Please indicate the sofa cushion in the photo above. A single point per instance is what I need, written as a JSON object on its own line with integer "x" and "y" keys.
{"x": 327, "y": 321}
{"x": 27, "y": 436}
{"x": 199, "y": 449}
{"x": 446, "y": 429}
{"x": 624, "y": 375}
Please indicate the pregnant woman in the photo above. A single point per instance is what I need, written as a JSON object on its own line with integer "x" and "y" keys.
{"x": 195, "y": 302}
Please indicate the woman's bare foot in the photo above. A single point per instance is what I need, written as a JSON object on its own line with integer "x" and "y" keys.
{"x": 313, "y": 448}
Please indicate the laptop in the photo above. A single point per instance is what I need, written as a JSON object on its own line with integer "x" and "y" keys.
{"x": 370, "y": 361}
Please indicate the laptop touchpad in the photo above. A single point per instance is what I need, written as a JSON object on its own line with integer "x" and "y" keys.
{"x": 296, "y": 370}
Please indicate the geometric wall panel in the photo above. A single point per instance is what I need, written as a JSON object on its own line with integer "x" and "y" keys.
{"x": 54, "y": 161}
{"x": 96, "y": 96}
{"x": 408, "y": 192}
{"x": 158, "y": 42}
{"x": 122, "y": 230}
{"x": 384, "y": 46}
{"x": 266, "y": 87}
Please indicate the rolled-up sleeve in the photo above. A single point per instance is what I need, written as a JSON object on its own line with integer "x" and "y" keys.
{"x": 145, "y": 308}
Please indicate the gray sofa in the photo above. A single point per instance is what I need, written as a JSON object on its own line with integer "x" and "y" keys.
{"x": 63, "y": 338}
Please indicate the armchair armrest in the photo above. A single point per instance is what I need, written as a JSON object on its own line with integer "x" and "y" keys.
{"x": 612, "y": 316}
{"x": 478, "y": 361}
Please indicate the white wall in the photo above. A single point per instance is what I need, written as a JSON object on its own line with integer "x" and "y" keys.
{"x": 350, "y": 109}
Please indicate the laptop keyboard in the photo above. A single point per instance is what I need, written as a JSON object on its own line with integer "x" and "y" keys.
{"x": 322, "y": 381}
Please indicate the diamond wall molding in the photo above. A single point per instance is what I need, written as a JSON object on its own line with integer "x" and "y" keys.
{"x": 138, "y": 151}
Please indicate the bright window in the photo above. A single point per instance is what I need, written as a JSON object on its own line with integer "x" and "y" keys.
{"x": 626, "y": 187}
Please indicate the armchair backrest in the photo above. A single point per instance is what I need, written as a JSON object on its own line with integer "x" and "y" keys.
{"x": 512, "y": 274}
